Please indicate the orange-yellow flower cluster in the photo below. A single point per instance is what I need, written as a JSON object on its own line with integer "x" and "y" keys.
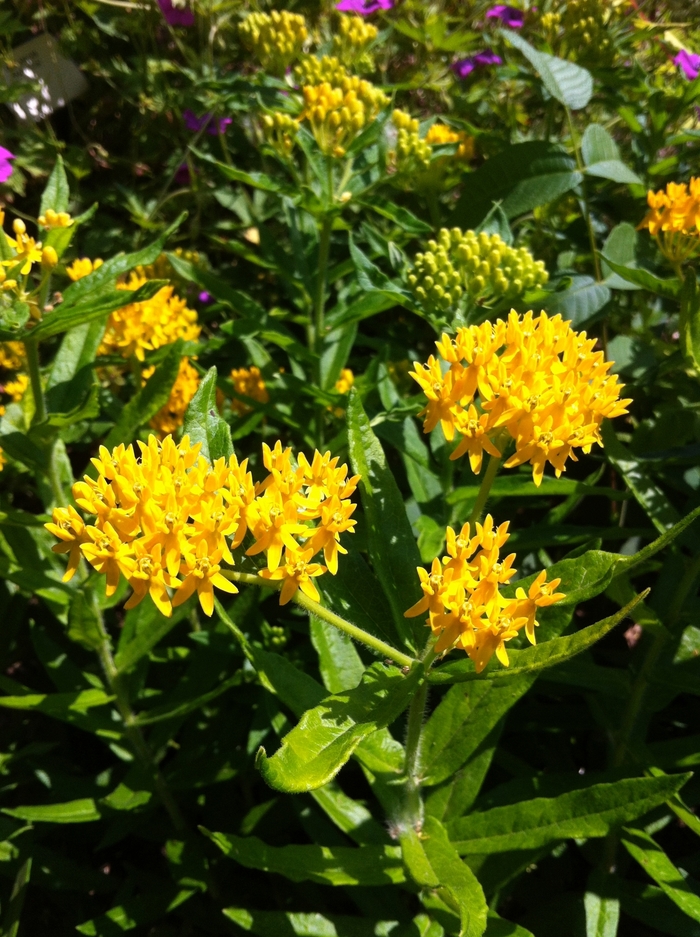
{"x": 440, "y": 133}
{"x": 138, "y": 328}
{"x": 172, "y": 414}
{"x": 534, "y": 380}
{"x": 462, "y": 597}
{"x": 168, "y": 519}
{"x": 248, "y": 382}
{"x": 674, "y": 219}
{"x": 13, "y": 386}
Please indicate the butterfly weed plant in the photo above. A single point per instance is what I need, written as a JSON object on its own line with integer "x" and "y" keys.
{"x": 349, "y": 474}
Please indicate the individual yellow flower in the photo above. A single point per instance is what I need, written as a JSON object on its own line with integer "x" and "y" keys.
{"x": 172, "y": 414}
{"x": 49, "y": 257}
{"x": 673, "y": 220}
{"x": 69, "y": 527}
{"x": 82, "y": 267}
{"x": 168, "y": 519}
{"x": 462, "y": 597}
{"x": 248, "y": 382}
{"x": 27, "y": 251}
{"x": 53, "y": 219}
{"x": 534, "y": 380}
{"x": 345, "y": 381}
{"x": 138, "y": 328}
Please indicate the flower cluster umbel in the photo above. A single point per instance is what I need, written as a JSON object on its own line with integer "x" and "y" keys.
{"x": 168, "y": 519}
{"x": 462, "y": 597}
{"x": 674, "y": 219}
{"x": 534, "y": 380}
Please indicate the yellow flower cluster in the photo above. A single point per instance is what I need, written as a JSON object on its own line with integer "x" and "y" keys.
{"x": 83, "y": 267}
{"x": 168, "y": 519}
{"x": 338, "y": 114}
{"x": 248, "y": 382}
{"x": 413, "y": 156}
{"x": 172, "y": 414}
{"x": 27, "y": 251}
{"x": 674, "y": 219}
{"x": 440, "y": 133}
{"x": 141, "y": 327}
{"x": 412, "y": 152}
{"x": 53, "y": 219}
{"x": 538, "y": 382}
{"x": 479, "y": 266}
{"x": 12, "y": 359}
{"x": 462, "y": 597}
{"x": 280, "y": 131}
{"x": 275, "y": 38}
{"x": 315, "y": 71}
{"x": 352, "y": 39}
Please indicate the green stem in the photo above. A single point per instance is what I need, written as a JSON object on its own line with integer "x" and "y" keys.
{"x": 32, "y": 352}
{"x": 318, "y": 327}
{"x": 413, "y": 812}
{"x": 584, "y": 198}
{"x": 485, "y": 488}
{"x": 131, "y": 729}
{"x": 315, "y": 608}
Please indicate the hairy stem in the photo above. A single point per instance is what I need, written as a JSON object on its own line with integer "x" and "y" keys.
{"x": 315, "y": 608}
{"x": 485, "y": 488}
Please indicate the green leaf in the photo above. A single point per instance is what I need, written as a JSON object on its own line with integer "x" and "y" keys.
{"x": 651, "y": 906}
{"x": 83, "y": 623}
{"x": 390, "y": 541}
{"x": 220, "y": 289}
{"x": 73, "y": 708}
{"x": 670, "y": 289}
{"x": 135, "y": 912}
{"x": 602, "y": 915}
{"x": 75, "y": 811}
{"x": 434, "y": 863}
{"x": 615, "y": 170}
{"x": 580, "y": 302}
{"x": 342, "y": 865}
{"x": 340, "y": 665}
{"x": 257, "y": 180}
{"x": 12, "y": 916}
{"x": 154, "y": 394}
{"x": 152, "y": 627}
{"x": 326, "y": 736}
{"x": 620, "y": 246}
{"x": 570, "y": 84}
{"x": 581, "y": 814}
{"x": 372, "y": 281}
{"x": 519, "y": 486}
{"x": 295, "y": 924}
{"x": 203, "y": 422}
{"x": 682, "y": 891}
{"x": 597, "y": 146}
{"x": 536, "y": 658}
{"x": 56, "y": 195}
{"x": 401, "y": 216}
{"x": 521, "y": 177}
{"x": 689, "y": 321}
{"x": 498, "y": 927}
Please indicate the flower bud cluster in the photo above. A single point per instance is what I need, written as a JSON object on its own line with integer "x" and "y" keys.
{"x": 462, "y": 597}
{"x": 586, "y": 26}
{"x": 338, "y": 114}
{"x": 168, "y": 519}
{"x": 536, "y": 381}
{"x": 351, "y": 41}
{"x": 280, "y": 130}
{"x": 412, "y": 153}
{"x": 478, "y": 265}
{"x": 315, "y": 71}
{"x": 52, "y": 219}
{"x": 276, "y": 38}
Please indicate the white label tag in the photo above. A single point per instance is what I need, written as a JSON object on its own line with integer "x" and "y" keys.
{"x": 59, "y": 79}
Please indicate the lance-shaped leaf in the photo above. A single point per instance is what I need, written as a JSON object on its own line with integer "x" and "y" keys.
{"x": 644, "y": 278}
{"x": 681, "y": 890}
{"x": 75, "y": 811}
{"x": 203, "y": 423}
{"x": 390, "y": 540}
{"x": 536, "y": 658}
{"x": 433, "y": 862}
{"x": 341, "y": 865}
{"x": 73, "y": 708}
{"x": 582, "y": 814}
{"x": 296, "y": 924}
{"x": 56, "y": 195}
{"x": 327, "y": 735}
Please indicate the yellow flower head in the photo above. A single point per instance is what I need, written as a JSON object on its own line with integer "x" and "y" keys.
{"x": 82, "y": 267}
{"x": 532, "y": 380}
{"x": 168, "y": 519}
{"x": 141, "y": 327}
{"x": 53, "y": 219}
{"x": 248, "y": 382}
{"x": 674, "y": 219}
{"x": 27, "y": 251}
{"x": 463, "y": 600}
{"x": 337, "y": 114}
{"x": 275, "y": 38}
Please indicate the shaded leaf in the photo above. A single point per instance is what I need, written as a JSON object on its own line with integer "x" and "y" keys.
{"x": 570, "y": 84}
{"x": 204, "y": 425}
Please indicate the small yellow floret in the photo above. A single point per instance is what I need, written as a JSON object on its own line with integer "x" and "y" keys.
{"x": 83, "y": 267}
{"x": 52, "y": 219}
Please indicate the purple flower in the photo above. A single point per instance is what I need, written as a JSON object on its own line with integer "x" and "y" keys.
{"x": 689, "y": 62}
{"x": 363, "y": 7}
{"x": 176, "y": 16}
{"x": 213, "y": 125}
{"x": 509, "y": 16}
{"x": 5, "y": 167}
{"x": 182, "y": 176}
{"x": 465, "y": 67}
{"x": 204, "y": 297}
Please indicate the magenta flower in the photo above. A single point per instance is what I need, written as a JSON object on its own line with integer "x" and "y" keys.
{"x": 204, "y": 297}
{"x": 5, "y": 166}
{"x": 176, "y": 16}
{"x": 509, "y": 16}
{"x": 465, "y": 67}
{"x": 689, "y": 62}
{"x": 214, "y": 126}
{"x": 363, "y": 7}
